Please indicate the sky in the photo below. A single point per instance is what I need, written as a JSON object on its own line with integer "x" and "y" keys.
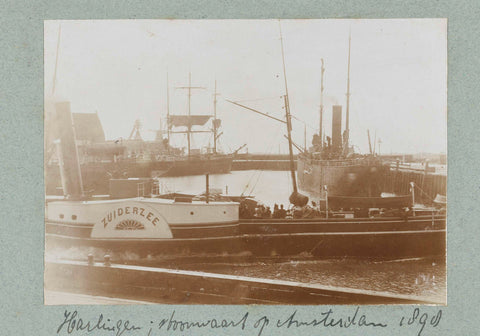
{"x": 119, "y": 69}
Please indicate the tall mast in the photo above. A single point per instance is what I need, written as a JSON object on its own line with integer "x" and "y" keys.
{"x": 56, "y": 60}
{"x": 289, "y": 119}
{"x": 215, "y": 119}
{"x": 295, "y": 198}
{"x": 321, "y": 106}
{"x": 168, "y": 115}
{"x": 347, "y": 121}
{"x": 305, "y": 137}
{"x": 189, "y": 127}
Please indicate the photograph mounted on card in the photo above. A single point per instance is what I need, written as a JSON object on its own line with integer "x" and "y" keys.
{"x": 245, "y": 161}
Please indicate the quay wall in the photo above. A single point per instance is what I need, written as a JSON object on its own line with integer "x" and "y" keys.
{"x": 427, "y": 185}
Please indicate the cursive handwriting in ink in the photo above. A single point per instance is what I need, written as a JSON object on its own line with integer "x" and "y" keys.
{"x": 261, "y": 323}
{"x": 73, "y": 323}
{"x": 173, "y": 324}
{"x": 327, "y": 320}
{"x": 421, "y": 319}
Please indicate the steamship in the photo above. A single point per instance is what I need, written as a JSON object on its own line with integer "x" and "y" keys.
{"x": 332, "y": 170}
{"x": 326, "y": 171}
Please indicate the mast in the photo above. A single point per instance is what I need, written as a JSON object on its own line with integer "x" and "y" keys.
{"x": 189, "y": 127}
{"x": 215, "y": 119}
{"x": 295, "y": 198}
{"x": 321, "y": 105}
{"x": 189, "y": 124}
{"x": 289, "y": 119}
{"x": 347, "y": 121}
{"x": 305, "y": 137}
{"x": 168, "y": 115}
{"x": 369, "y": 142}
{"x": 56, "y": 61}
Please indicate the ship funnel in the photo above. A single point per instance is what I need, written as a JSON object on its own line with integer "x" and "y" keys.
{"x": 67, "y": 152}
{"x": 337, "y": 127}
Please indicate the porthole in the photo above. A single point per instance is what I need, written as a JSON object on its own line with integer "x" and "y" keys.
{"x": 74, "y": 217}
{"x": 191, "y": 212}
{"x": 61, "y": 216}
{"x": 224, "y": 212}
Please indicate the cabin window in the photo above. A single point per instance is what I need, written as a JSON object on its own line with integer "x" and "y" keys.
{"x": 191, "y": 212}
{"x": 74, "y": 217}
{"x": 61, "y": 216}
{"x": 224, "y": 212}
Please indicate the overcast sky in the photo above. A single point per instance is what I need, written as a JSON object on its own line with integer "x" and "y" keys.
{"x": 119, "y": 69}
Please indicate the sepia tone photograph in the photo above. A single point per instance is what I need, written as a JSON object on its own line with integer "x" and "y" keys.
{"x": 277, "y": 162}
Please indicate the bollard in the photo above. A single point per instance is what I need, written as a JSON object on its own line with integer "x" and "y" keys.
{"x": 91, "y": 262}
{"x": 106, "y": 260}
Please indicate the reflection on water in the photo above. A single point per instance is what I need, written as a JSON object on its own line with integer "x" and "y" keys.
{"x": 268, "y": 187}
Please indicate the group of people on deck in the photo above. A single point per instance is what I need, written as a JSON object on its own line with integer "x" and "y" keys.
{"x": 262, "y": 211}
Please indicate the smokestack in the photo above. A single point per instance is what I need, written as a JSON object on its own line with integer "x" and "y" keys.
{"x": 67, "y": 152}
{"x": 337, "y": 127}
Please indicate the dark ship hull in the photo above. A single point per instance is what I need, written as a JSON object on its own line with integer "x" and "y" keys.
{"x": 356, "y": 177}
{"x": 96, "y": 175}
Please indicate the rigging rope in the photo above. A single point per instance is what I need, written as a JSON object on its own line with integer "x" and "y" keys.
{"x": 259, "y": 99}
{"x": 260, "y": 171}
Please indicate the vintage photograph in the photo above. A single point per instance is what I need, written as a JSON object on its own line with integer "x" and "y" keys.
{"x": 273, "y": 162}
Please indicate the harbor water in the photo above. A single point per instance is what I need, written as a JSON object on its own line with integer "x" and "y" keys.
{"x": 269, "y": 187}
{"x": 425, "y": 278}
{"x": 420, "y": 277}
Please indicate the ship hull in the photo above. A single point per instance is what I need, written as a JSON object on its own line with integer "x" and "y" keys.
{"x": 200, "y": 166}
{"x": 96, "y": 175}
{"x": 370, "y": 238}
{"x": 356, "y": 178}
{"x": 156, "y": 226}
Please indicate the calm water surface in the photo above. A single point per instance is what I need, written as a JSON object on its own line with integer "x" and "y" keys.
{"x": 269, "y": 187}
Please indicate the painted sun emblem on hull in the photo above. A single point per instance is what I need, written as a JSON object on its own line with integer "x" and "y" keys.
{"x": 129, "y": 224}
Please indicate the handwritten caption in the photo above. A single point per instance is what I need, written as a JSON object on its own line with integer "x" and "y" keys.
{"x": 72, "y": 323}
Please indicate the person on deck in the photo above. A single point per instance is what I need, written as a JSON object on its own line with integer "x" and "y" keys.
{"x": 275, "y": 211}
{"x": 267, "y": 213}
{"x": 282, "y": 213}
